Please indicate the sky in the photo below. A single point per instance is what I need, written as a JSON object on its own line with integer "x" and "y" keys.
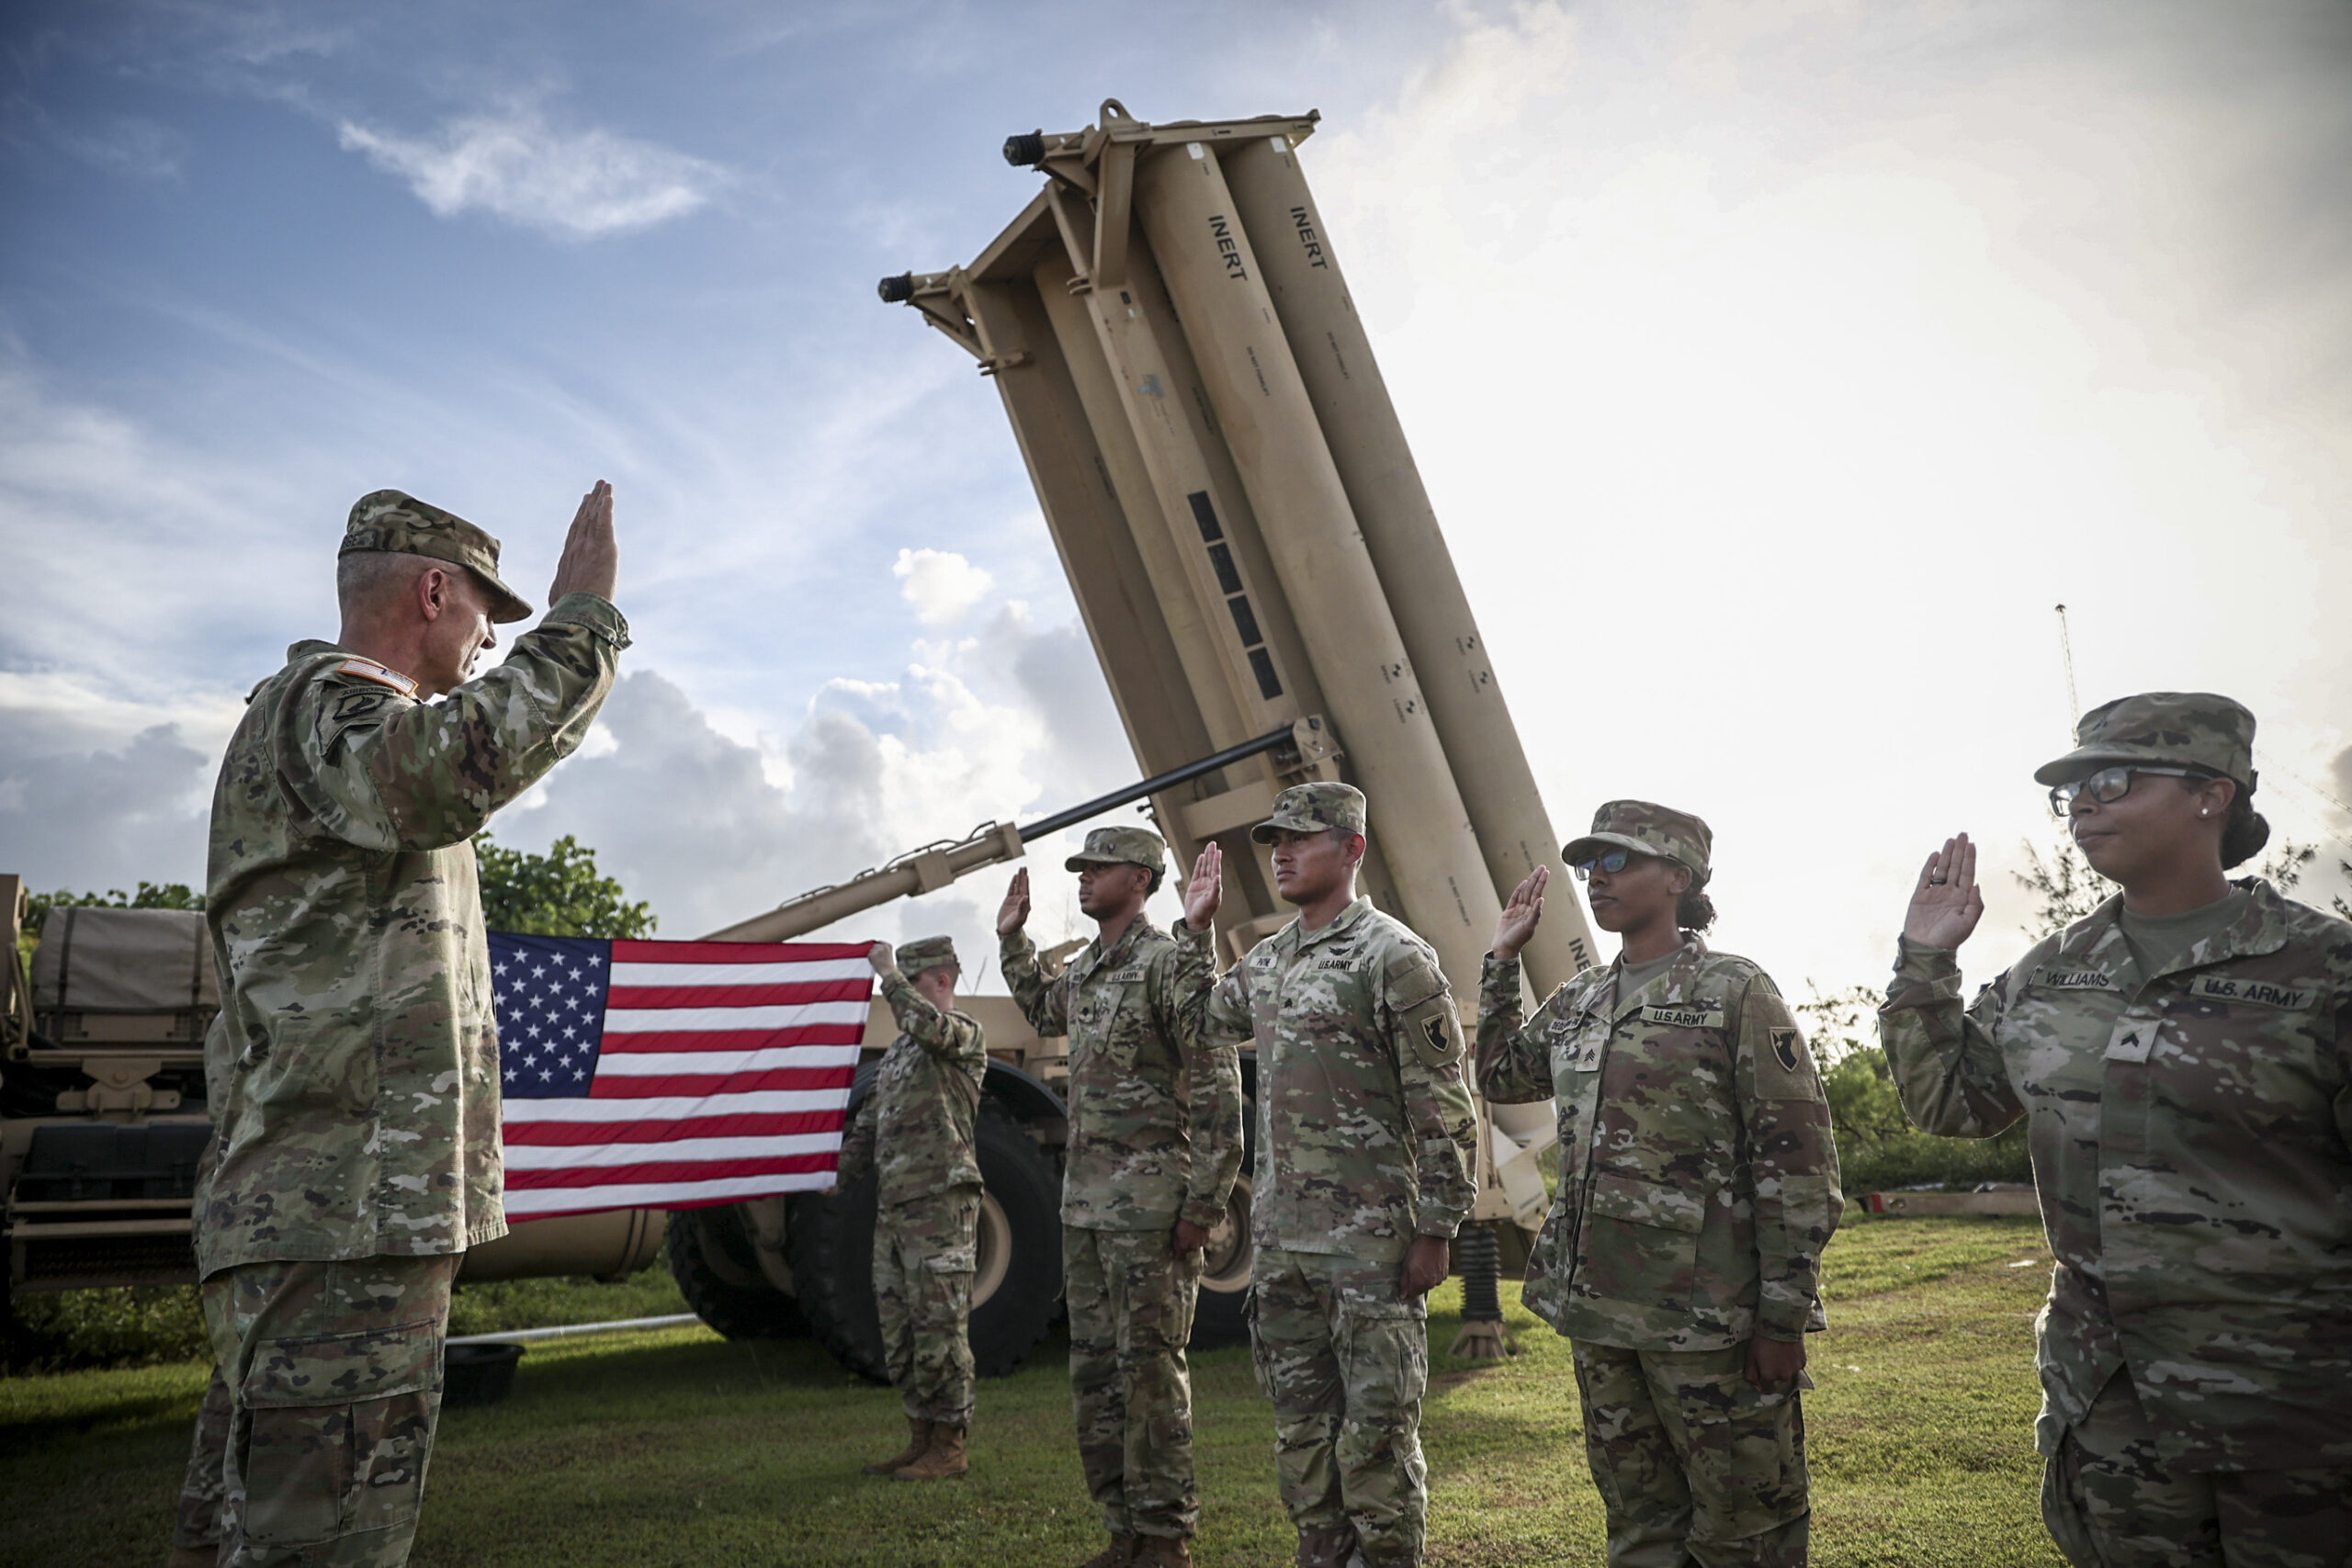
{"x": 1775, "y": 370}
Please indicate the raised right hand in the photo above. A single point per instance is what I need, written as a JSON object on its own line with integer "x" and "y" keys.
{"x": 1207, "y": 889}
{"x": 591, "y": 559}
{"x": 1014, "y": 912}
{"x": 1946, "y": 904}
{"x": 1521, "y": 915}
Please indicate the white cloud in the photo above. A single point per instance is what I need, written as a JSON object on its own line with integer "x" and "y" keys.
{"x": 1887, "y": 329}
{"x": 942, "y": 585}
{"x": 712, "y": 827}
{"x": 514, "y": 164}
{"x": 98, "y": 790}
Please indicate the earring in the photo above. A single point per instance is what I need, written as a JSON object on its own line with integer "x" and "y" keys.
{"x": 2202, "y": 812}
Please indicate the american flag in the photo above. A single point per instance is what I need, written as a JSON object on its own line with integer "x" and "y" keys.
{"x": 671, "y": 1074}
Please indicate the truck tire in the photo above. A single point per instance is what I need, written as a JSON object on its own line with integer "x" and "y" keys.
{"x": 711, "y": 1259}
{"x": 1016, "y": 1289}
{"x": 1220, "y": 1311}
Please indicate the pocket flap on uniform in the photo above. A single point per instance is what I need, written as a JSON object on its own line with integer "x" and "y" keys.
{"x": 963, "y": 1258}
{"x": 1647, "y": 1203}
{"x": 344, "y": 1368}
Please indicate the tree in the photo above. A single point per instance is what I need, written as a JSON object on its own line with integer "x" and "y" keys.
{"x": 2283, "y": 867}
{"x": 1842, "y": 1027}
{"x": 557, "y": 894}
{"x": 2065, "y": 884}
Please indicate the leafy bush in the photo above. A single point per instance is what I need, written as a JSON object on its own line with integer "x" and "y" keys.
{"x": 557, "y": 894}
{"x": 1878, "y": 1149}
{"x": 114, "y": 1326}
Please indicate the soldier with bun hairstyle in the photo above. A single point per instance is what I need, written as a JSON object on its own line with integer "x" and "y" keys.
{"x": 1698, "y": 1187}
{"x": 2184, "y": 1052}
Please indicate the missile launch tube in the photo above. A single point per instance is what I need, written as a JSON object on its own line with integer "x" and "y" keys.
{"x": 1392, "y": 506}
{"x": 1366, "y": 674}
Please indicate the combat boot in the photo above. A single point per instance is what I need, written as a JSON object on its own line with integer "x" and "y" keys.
{"x": 918, "y": 1440}
{"x": 943, "y": 1461}
{"x": 1120, "y": 1553}
{"x": 1162, "y": 1551}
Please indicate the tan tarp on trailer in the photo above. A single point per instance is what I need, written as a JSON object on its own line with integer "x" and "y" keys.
{"x": 99, "y": 960}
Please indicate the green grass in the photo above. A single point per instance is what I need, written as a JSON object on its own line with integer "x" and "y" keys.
{"x": 138, "y": 1326}
{"x": 679, "y": 1447}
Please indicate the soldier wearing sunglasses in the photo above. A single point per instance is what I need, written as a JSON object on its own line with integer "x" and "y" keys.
{"x": 1698, "y": 1187}
{"x": 2185, "y": 1053}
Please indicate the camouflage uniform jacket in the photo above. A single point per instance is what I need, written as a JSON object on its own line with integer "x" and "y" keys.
{"x": 353, "y": 1069}
{"x": 1155, "y": 1112}
{"x": 1365, "y": 1133}
{"x": 1698, "y": 1174}
{"x": 916, "y": 1123}
{"x": 2192, "y": 1148}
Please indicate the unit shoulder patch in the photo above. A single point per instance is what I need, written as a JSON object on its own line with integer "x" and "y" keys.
{"x": 1785, "y": 1045}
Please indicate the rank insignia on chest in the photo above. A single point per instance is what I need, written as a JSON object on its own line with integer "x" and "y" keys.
{"x": 2132, "y": 1040}
{"x": 1784, "y": 1047}
{"x": 2262, "y": 993}
{"x": 1701, "y": 1016}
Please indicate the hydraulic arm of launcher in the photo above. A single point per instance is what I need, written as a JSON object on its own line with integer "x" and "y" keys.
{"x": 936, "y": 866}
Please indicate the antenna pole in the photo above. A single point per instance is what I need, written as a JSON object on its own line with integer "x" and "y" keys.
{"x": 2066, "y": 652}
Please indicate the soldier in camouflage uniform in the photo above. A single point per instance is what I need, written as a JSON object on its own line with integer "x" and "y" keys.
{"x": 1155, "y": 1143}
{"x": 353, "y": 1069}
{"x": 1366, "y": 1167}
{"x": 1698, "y": 1187}
{"x": 915, "y": 1128}
{"x": 2184, "y": 1054}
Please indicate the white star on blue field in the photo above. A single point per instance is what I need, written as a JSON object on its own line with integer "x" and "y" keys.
{"x": 550, "y": 1002}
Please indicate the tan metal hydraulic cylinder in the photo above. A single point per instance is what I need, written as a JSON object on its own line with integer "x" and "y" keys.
{"x": 1392, "y": 506}
{"x": 1263, "y": 411}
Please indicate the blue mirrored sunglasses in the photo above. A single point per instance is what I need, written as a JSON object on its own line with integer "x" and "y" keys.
{"x": 1613, "y": 862}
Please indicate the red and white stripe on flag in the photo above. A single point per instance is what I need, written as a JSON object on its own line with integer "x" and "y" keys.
{"x": 672, "y": 1075}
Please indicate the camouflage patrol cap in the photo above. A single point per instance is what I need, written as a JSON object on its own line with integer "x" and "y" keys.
{"x": 394, "y": 520}
{"x": 926, "y": 954}
{"x": 1314, "y": 809}
{"x": 1120, "y": 846}
{"x": 1647, "y": 829}
{"x": 2199, "y": 729}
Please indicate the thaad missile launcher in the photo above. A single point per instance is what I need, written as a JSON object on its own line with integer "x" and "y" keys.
{"x": 1234, "y": 500}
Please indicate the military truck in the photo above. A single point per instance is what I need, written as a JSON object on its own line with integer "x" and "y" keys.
{"x": 1262, "y": 575}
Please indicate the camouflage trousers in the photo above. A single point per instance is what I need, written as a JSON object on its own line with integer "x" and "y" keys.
{"x": 1694, "y": 1464}
{"x": 1130, "y": 1317}
{"x": 2112, "y": 1503}
{"x": 924, "y": 1252}
{"x": 1345, "y": 1363}
{"x": 328, "y": 1379}
{"x": 196, "y": 1527}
